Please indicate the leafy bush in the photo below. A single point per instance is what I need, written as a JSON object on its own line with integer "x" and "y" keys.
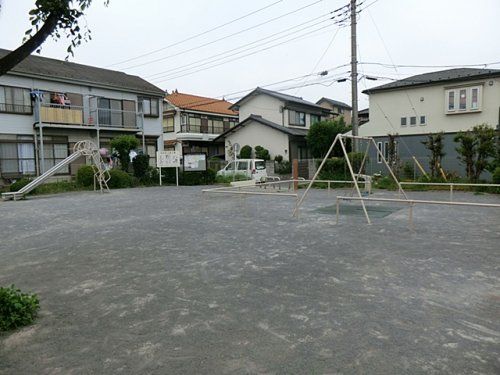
{"x": 321, "y": 135}
{"x": 140, "y": 165}
{"x": 17, "y": 309}
{"x": 333, "y": 169}
{"x": 496, "y": 175}
{"x": 123, "y": 145}
{"x": 262, "y": 153}
{"x": 356, "y": 158}
{"x": 56, "y": 187}
{"x": 246, "y": 152}
{"x": 278, "y": 158}
{"x": 120, "y": 179}
{"x": 386, "y": 183}
{"x": 85, "y": 176}
{"x": 189, "y": 178}
{"x": 408, "y": 170}
{"x": 284, "y": 167}
{"x": 19, "y": 184}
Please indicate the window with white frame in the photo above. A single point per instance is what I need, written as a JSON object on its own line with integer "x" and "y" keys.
{"x": 379, "y": 154}
{"x": 463, "y": 99}
{"x": 386, "y": 150}
{"x": 297, "y": 118}
{"x": 423, "y": 120}
{"x": 413, "y": 120}
{"x": 15, "y": 100}
{"x": 403, "y": 121}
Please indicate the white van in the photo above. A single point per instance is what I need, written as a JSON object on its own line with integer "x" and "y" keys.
{"x": 254, "y": 169}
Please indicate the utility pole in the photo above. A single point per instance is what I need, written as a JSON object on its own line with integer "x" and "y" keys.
{"x": 354, "y": 76}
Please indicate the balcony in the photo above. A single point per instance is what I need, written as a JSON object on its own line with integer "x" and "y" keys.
{"x": 204, "y": 129}
{"x": 61, "y": 114}
{"x": 77, "y": 116}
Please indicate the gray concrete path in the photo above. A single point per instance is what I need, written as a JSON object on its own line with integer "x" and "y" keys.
{"x": 159, "y": 280}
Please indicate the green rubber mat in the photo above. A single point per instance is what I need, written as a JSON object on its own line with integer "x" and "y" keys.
{"x": 373, "y": 211}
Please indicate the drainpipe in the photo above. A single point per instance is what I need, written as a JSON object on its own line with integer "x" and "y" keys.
{"x": 40, "y": 125}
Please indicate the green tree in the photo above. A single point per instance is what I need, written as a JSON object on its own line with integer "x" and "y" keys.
{"x": 54, "y": 18}
{"x": 262, "y": 153}
{"x": 321, "y": 135}
{"x": 123, "y": 144}
{"x": 475, "y": 149}
{"x": 246, "y": 152}
{"x": 434, "y": 144}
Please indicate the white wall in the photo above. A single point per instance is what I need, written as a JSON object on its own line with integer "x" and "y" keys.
{"x": 395, "y": 104}
{"x": 265, "y": 106}
{"x": 255, "y": 134}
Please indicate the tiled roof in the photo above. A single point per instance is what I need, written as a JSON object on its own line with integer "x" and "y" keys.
{"x": 449, "y": 75}
{"x": 288, "y": 99}
{"x": 334, "y": 102}
{"x": 200, "y": 103}
{"x": 263, "y": 121}
{"x": 37, "y": 66}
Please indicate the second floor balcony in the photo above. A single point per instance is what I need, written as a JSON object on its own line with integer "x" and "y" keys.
{"x": 204, "y": 129}
{"x": 71, "y": 115}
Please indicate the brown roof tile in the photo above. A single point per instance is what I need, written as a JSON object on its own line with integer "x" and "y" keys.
{"x": 201, "y": 103}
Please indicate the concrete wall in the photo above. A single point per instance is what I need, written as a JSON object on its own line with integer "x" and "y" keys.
{"x": 255, "y": 134}
{"x": 429, "y": 101}
{"x": 411, "y": 145}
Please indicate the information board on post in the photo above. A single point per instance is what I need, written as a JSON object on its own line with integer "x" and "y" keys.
{"x": 169, "y": 159}
{"x": 196, "y": 162}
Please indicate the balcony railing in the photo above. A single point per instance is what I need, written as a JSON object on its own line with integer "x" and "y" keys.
{"x": 61, "y": 114}
{"x": 204, "y": 129}
{"x": 96, "y": 117}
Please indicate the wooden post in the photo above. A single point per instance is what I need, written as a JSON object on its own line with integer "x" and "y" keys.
{"x": 295, "y": 172}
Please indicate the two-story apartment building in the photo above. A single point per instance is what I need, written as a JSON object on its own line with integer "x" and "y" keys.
{"x": 275, "y": 121}
{"x": 51, "y": 104}
{"x": 192, "y": 122}
{"x": 446, "y": 101}
{"x": 337, "y": 108}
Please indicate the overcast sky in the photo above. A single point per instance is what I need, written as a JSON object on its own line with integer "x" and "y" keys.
{"x": 412, "y": 32}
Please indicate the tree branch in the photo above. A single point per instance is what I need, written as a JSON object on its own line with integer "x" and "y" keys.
{"x": 15, "y": 57}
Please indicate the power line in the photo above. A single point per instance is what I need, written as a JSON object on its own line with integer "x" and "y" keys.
{"x": 197, "y": 35}
{"x": 322, "y": 56}
{"x": 245, "y": 45}
{"x": 431, "y": 66}
{"x": 249, "y": 54}
{"x": 225, "y": 37}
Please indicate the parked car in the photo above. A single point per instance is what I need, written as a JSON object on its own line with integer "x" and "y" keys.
{"x": 254, "y": 169}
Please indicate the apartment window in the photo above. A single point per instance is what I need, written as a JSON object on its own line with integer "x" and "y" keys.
{"x": 149, "y": 106}
{"x": 297, "y": 118}
{"x": 168, "y": 124}
{"x": 341, "y": 111}
{"x": 413, "y": 120}
{"x": 422, "y": 120}
{"x": 379, "y": 154}
{"x": 403, "y": 121}
{"x": 17, "y": 158}
{"x": 315, "y": 119}
{"x": 474, "y": 104}
{"x": 55, "y": 153}
{"x": 15, "y": 100}
{"x": 386, "y": 150}
{"x": 463, "y": 99}
{"x": 451, "y": 100}
{"x": 110, "y": 112}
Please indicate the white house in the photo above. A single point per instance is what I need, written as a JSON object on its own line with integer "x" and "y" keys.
{"x": 192, "y": 122}
{"x": 275, "y": 121}
{"x": 446, "y": 101}
{"x": 56, "y": 103}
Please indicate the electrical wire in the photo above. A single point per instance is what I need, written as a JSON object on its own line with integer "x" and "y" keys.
{"x": 197, "y": 35}
{"x": 224, "y": 37}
